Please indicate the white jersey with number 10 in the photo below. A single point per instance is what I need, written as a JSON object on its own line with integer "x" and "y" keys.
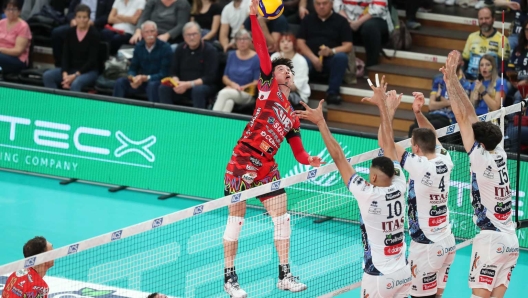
{"x": 382, "y": 222}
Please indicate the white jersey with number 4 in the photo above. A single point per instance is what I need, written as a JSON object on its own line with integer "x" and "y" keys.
{"x": 429, "y": 181}
{"x": 490, "y": 187}
{"x": 382, "y": 222}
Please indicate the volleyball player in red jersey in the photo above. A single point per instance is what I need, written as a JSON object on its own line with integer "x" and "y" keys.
{"x": 252, "y": 163}
{"x": 29, "y": 282}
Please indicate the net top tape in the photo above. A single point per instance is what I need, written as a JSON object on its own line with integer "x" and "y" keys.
{"x": 222, "y": 202}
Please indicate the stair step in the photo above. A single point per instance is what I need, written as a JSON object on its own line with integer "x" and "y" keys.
{"x": 439, "y": 38}
{"x": 409, "y": 77}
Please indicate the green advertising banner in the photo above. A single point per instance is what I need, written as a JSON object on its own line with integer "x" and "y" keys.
{"x": 166, "y": 150}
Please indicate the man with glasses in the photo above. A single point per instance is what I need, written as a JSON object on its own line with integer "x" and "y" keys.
{"x": 194, "y": 70}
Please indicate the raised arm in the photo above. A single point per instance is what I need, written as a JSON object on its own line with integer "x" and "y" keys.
{"x": 386, "y": 134}
{"x": 316, "y": 116}
{"x": 393, "y": 101}
{"x": 460, "y": 104}
{"x": 259, "y": 41}
{"x": 423, "y": 122}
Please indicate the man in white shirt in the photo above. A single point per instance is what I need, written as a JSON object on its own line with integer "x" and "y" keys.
{"x": 381, "y": 202}
{"x": 496, "y": 247}
{"x": 433, "y": 246}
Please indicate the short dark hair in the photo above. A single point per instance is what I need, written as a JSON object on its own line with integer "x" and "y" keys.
{"x": 153, "y": 295}
{"x": 425, "y": 139}
{"x": 83, "y": 8}
{"x": 491, "y": 10}
{"x": 488, "y": 134}
{"x": 14, "y": 3}
{"x": 384, "y": 164}
{"x": 282, "y": 61}
{"x": 35, "y": 246}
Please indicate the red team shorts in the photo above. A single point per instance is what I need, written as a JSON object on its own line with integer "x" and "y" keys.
{"x": 249, "y": 168}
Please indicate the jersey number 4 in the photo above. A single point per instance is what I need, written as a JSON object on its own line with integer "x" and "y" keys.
{"x": 442, "y": 185}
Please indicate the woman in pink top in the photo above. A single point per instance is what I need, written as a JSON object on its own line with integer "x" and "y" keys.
{"x": 15, "y": 38}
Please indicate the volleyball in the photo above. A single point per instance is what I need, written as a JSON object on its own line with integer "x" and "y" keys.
{"x": 270, "y": 9}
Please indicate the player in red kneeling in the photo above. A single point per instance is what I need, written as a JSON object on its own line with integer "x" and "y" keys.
{"x": 252, "y": 163}
{"x": 28, "y": 282}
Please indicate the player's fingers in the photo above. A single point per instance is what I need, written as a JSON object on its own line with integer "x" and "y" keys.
{"x": 370, "y": 84}
{"x": 304, "y": 105}
{"x": 365, "y": 99}
{"x": 377, "y": 80}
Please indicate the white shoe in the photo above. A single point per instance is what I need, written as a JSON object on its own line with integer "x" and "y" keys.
{"x": 480, "y": 4}
{"x": 233, "y": 289}
{"x": 291, "y": 283}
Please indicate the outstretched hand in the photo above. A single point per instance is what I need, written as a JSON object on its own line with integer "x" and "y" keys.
{"x": 393, "y": 100}
{"x": 313, "y": 115}
{"x": 380, "y": 95}
{"x": 450, "y": 68}
{"x": 418, "y": 102}
{"x": 315, "y": 161}
{"x": 253, "y": 7}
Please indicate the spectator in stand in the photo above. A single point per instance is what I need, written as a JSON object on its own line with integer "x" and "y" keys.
{"x": 207, "y": 14}
{"x": 240, "y": 75}
{"x": 517, "y": 24}
{"x": 79, "y": 65}
{"x": 122, "y": 23}
{"x": 518, "y": 65}
{"x": 371, "y": 25}
{"x": 29, "y": 282}
{"x": 412, "y": 7}
{"x": 169, "y": 16}
{"x": 235, "y": 16}
{"x": 325, "y": 39}
{"x": 487, "y": 40}
{"x": 486, "y": 91}
{"x": 31, "y": 8}
{"x": 15, "y": 41}
{"x": 150, "y": 64}
{"x": 100, "y": 9}
{"x": 300, "y": 90}
{"x": 194, "y": 68}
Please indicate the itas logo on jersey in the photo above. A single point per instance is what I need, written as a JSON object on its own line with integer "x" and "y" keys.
{"x": 393, "y": 225}
{"x": 282, "y": 115}
{"x": 502, "y": 193}
{"x": 393, "y": 239}
{"x": 436, "y": 221}
{"x": 438, "y": 199}
{"x": 502, "y": 210}
{"x": 438, "y": 210}
{"x": 429, "y": 282}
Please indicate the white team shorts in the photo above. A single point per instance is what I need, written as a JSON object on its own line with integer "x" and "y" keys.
{"x": 430, "y": 265}
{"x": 396, "y": 284}
{"x": 493, "y": 257}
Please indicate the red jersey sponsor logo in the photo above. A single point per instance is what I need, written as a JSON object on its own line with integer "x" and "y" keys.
{"x": 431, "y": 285}
{"x": 264, "y": 146}
{"x": 486, "y": 279}
{"x": 436, "y": 221}
{"x": 504, "y": 216}
{"x": 393, "y": 250}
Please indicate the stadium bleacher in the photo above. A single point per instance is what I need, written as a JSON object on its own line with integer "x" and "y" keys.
{"x": 443, "y": 29}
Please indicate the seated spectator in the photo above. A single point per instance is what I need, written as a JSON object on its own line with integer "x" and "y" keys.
{"x": 325, "y": 39}
{"x": 150, "y": 64}
{"x": 122, "y": 23}
{"x": 371, "y": 25}
{"x": 272, "y": 30}
{"x": 207, "y": 14}
{"x": 517, "y": 69}
{"x": 29, "y": 282}
{"x": 486, "y": 91}
{"x": 232, "y": 20}
{"x": 169, "y": 16}
{"x": 100, "y": 9}
{"x": 15, "y": 41}
{"x": 300, "y": 89}
{"x": 194, "y": 68}
{"x": 31, "y": 8}
{"x": 517, "y": 24}
{"x": 487, "y": 40}
{"x": 79, "y": 66}
{"x": 240, "y": 75}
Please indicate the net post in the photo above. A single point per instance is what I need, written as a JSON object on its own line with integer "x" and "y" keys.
{"x": 501, "y": 121}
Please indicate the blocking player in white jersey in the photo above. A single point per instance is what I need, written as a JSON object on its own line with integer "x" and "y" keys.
{"x": 496, "y": 247}
{"x": 381, "y": 203}
{"x": 432, "y": 248}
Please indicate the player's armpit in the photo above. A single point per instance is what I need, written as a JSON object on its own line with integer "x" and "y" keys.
{"x": 468, "y": 137}
{"x": 399, "y": 151}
